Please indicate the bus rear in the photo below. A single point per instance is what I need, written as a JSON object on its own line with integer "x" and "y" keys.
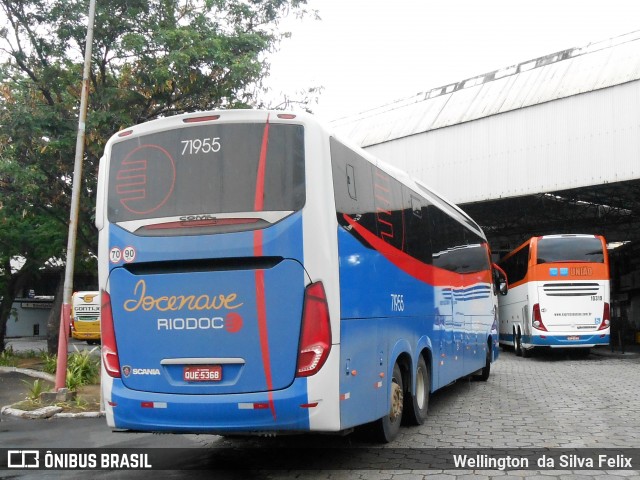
{"x": 569, "y": 291}
{"x": 85, "y": 316}
{"x": 214, "y": 318}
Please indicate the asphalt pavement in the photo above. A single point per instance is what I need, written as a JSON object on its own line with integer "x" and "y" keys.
{"x": 552, "y": 400}
{"x": 15, "y": 384}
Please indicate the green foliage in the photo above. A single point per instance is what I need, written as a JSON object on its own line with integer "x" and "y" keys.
{"x": 35, "y": 389}
{"x": 82, "y": 369}
{"x": 50, "y": 362}
{"x": 8, "y": 358}
{"x": 31, "y": 354}
{"x": 150, "y": 58}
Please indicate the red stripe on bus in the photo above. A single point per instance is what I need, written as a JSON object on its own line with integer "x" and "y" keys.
{"x": 421, "y": 271}
{"x": 261, "y": 302}
{"x": 264, "y": 336}
{"x": 259, "y": 198}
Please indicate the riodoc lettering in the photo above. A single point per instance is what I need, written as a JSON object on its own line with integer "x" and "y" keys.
{"x": 178, "y": 302}
{"x": 203, "y": 323}
{"x": 232, "y": 323}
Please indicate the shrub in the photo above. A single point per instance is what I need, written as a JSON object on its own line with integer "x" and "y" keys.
{"x": 35, "y": 389}
{"x": 8, "y": 358}
{"x": 82, "y": 369}
{"x": 50, "y": 362}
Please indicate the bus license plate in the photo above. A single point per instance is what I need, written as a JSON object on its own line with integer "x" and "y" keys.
{"x": 203, "y": 373}
{"x": 573, "y": 337}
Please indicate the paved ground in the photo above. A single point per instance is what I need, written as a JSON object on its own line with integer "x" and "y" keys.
{"x": 39, "y": 344}
{"x": 14, "y": 386}
{"x": 548, "y": 401}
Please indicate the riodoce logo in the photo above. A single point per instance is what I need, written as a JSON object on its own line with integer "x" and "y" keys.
{"x": 172, "y": 303}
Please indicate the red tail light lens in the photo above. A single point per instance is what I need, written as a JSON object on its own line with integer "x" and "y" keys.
{"x": 109, "y": 347}
{"x": 537, "y": 318}
{"x": 204, "y": 118}
{"x": 315, "y": 338}
{"x": 606, "y": 317}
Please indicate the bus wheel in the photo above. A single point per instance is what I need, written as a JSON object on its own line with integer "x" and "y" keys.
{"x": 416, "y": 406}
{"x": 388, "y": 426}
{"x": 486, "y": 371}
{"x": 517, "y": 344}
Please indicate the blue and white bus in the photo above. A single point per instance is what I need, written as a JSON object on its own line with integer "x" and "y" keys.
{"x": 260, "y": 275}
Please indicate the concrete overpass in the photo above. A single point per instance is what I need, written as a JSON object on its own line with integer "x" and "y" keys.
{"x": 550, "y": 145}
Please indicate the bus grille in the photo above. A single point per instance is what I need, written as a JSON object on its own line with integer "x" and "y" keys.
{"x": 567, "y": 289}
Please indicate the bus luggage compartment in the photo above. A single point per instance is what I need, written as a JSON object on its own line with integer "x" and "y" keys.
{"x": 210, "y": 332}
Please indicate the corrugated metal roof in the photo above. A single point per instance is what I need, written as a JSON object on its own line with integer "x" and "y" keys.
{"x": 562, "y": 74}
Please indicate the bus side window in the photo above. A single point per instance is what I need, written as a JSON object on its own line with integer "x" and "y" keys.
{"x": 417, "y": 242}
{"x": 351, "y": 182}
{"x": 389, "y": 213}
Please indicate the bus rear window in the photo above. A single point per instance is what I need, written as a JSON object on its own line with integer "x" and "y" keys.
{"x": 206, "y": 170}
{"x": 570, "y": 249}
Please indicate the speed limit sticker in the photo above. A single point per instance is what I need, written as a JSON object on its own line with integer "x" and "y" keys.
{"x": 115, "y": 255}
{"x": 129, "y": 254}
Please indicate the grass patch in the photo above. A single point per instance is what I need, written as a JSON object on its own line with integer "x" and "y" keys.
{"x": 83, "y": 377}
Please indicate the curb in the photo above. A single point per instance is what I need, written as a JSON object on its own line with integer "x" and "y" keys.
{"x": 28, "y": 371}
{"x": 44, "y": 412}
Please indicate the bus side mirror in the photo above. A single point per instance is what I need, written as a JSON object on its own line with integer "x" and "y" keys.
{"x": 500, "y": 280}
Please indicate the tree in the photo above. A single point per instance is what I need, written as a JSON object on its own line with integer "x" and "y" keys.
{"x": 151, "y": 58}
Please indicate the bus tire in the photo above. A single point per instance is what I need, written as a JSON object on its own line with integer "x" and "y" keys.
{"x": 517, "y": 343}
{"x": 387, "y": 427}
{"x": 416, "y": 406}
{"x": 486, "y": 371}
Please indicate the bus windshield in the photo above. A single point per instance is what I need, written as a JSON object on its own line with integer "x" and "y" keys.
{"x": 202, "y": 170}
{"x": 570, "y": 249}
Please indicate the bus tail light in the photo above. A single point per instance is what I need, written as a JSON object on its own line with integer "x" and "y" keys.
{"x": 606, "y": 317}
{"x": 315, "y": 337}
{"x": 537, "y": 318}
{"x": 109, "y": 347}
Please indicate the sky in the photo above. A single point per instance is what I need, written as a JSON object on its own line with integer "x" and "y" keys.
{"x": 368, "y": 53}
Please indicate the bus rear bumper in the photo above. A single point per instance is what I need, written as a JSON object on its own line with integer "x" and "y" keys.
{"x": 569, "y": 340}
{"x": 280, "y": 410}
{"x": 85, "y": 336}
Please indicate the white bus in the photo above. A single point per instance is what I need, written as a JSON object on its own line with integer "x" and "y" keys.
{"x": 558, "y": 294}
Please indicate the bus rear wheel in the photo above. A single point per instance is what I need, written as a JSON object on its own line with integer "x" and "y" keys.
{"x": 416, "y": 406}
{"x": 517, "y": 344}
{"x": 387, "y": 427}
{"x": 486, "y": 371}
